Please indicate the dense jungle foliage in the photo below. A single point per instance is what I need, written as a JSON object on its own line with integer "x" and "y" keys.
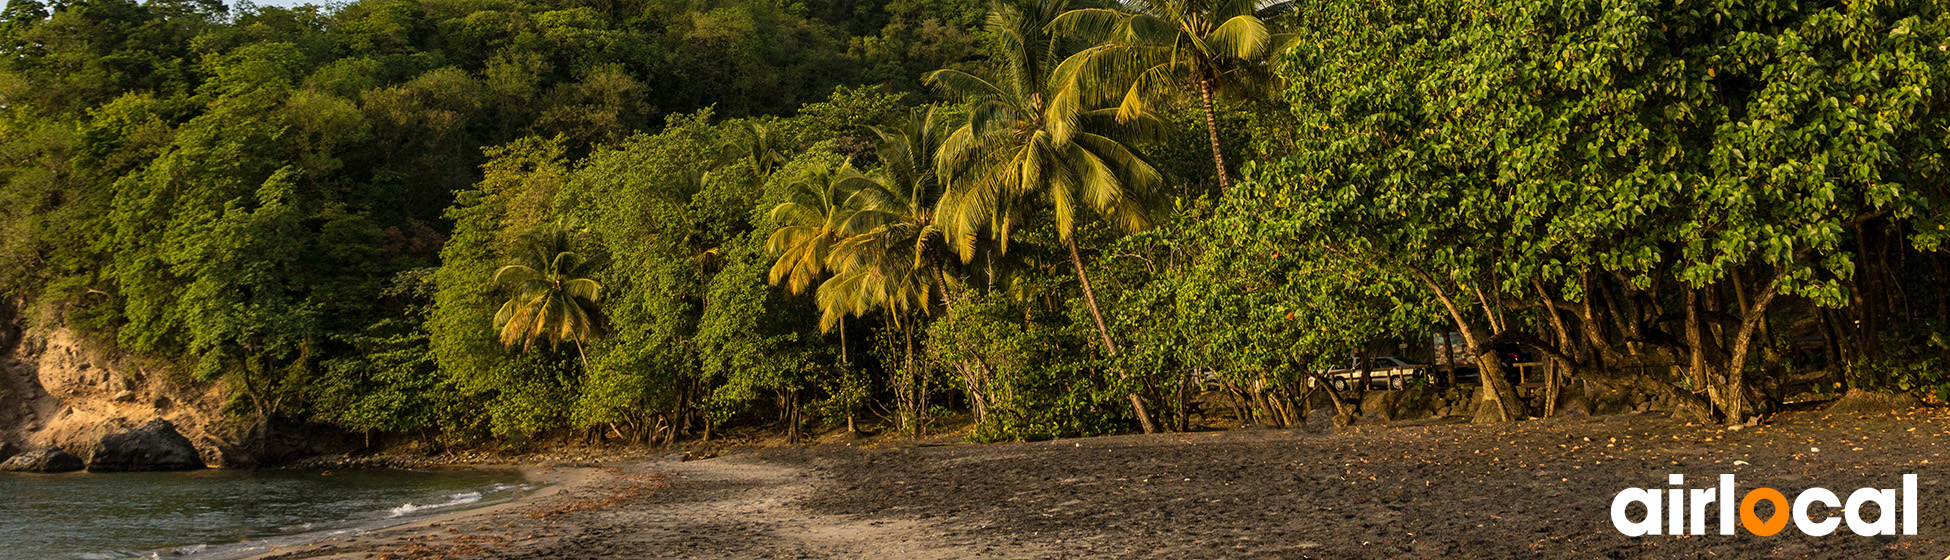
{"x": 650, "y": 219}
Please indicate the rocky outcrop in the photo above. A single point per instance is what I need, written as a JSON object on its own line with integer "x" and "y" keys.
{"x": 43, "y": 460}
{"x": 61, "y": 389}
{"x": 155, "y": 446}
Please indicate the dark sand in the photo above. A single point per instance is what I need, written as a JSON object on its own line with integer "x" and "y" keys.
{"x": 1537, "y": 489}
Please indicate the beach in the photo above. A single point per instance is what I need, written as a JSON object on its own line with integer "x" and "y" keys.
{"x": 1437, "y": 489}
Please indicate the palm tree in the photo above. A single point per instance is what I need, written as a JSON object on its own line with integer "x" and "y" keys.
{"x": 1029, "y": 142}
{"x": 1161, "y": 49}
{"x": 900, "y": 216}
{"x": 549, "y": 296}
{"x": 871, "y": 234}
{"x": 755, "y": 144}
{"x": 811, "y": 223}
{"x": 907, "y": 155}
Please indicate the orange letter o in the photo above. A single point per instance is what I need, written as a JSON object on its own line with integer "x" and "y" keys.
{"x": 1773, "y": 524}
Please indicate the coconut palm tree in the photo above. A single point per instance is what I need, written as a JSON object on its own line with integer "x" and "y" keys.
{"x": 812, "y": 222}
{"x": 899, "y": 218}
{"x": 1029, "y": 144}
{"x": 550, "y": 297}
{"x": 1154, "y": 50}
{"x": 892, "y": 258}
{"x": 870, "y": 237}
{"x": 755, "y": 144}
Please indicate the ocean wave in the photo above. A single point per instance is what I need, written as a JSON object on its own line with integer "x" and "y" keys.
{"x": 453, "y": 500}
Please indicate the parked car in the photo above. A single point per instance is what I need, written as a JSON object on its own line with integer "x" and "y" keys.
{"x": 1507, "y": 354}
{"x": 1389, "y": 372}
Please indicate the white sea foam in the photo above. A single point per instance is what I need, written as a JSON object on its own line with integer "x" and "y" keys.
{"x": 453, "y": 500}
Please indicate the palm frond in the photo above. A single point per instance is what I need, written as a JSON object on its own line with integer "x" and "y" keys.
{"x": 1243, "y": 37}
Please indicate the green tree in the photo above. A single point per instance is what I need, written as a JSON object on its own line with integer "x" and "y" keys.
{"x": 1021, "y": 149}
{"x": 812, "y": 222}
{"x": 755, "y": 144}
{"x": 1166, "y": 49}
{"x": 550, "y": 297}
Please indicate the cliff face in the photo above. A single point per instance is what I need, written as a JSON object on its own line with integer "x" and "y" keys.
{"x": 56, "y": 388}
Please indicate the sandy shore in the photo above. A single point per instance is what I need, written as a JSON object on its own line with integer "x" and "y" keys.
{"x": 658, "y": 508}
{"x": 555, "y": 484}
{"x": 1538, "y": 489}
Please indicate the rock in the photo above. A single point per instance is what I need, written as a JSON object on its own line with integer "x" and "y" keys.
{"x": 1611, "y": 402}
{"x": 1416, "y": 403}
{"x": 1322, "y": 420}
{"x": 223, "y": 455}
{"x": 1861, "y": 402}
{"x": 1378, "y": 406}
{"x": 155, "y": 446}
{"x": 1573, "y": 407}
{"x": 43, "y": 460}
{"x": 125, "y": 396}
{"x": 8, "y": 450}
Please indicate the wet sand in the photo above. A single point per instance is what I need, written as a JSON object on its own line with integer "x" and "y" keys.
{"x": 1537, "y": 489}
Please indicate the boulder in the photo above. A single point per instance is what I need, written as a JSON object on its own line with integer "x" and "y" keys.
{"x": 1416, "y": 403}
{"x": 43, "y": 460}
{"x": 1324, "y": 420}
{"x": 1378, "y": 407}
{"x": 155, "y": 446}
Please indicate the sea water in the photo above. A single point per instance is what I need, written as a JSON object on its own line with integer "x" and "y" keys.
{"x": 217, "y": 514}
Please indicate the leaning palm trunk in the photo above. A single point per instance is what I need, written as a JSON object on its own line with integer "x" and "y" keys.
{"x": 1212, "y": 130}
{"x": 1090, "y": 299}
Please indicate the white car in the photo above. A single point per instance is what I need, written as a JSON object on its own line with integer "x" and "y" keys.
{"x": 1389, "y": 372}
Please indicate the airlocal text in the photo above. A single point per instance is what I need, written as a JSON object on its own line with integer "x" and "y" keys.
{"x": 1683, "y": 511}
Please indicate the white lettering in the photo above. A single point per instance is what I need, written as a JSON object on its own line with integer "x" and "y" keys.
{"x": 1885, "y": 523}
{"x": 1726, "y": 504}
{"x": 1650, "y": 498}
{"x": 1808, "y": 525}
{"x": 1909, "y": 504}
{"x": 1701, "y": 497}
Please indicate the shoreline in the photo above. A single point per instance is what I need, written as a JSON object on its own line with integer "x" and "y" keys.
{"x": 1440, "y": 490}
{"x": 551, "y": 479}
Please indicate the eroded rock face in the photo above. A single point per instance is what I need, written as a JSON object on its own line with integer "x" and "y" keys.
{"x": 154, "y": 446}
{"x": 8, "y": 450}
{"x": 43, "y": 460}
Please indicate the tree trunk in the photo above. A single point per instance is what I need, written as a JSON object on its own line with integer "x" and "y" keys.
{"x": 1697, "y": 362}
{"x": 1367, "y": 371}
{"x": 909, "y": 410}
{"x": 1738, "y": 395}
{"x": 1496, "y": 391}
{"x": 1941, "y": 278}
{"x": 1566, "y": 346}
{"x": 1448, "y": 358}
{"x": 1212, "y": 131}
{"x": 1341, "y": 413}
{"x": 1185, "y": 386}
{"x": 582, "y": 356}
{"x": 1090, "y": 299}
